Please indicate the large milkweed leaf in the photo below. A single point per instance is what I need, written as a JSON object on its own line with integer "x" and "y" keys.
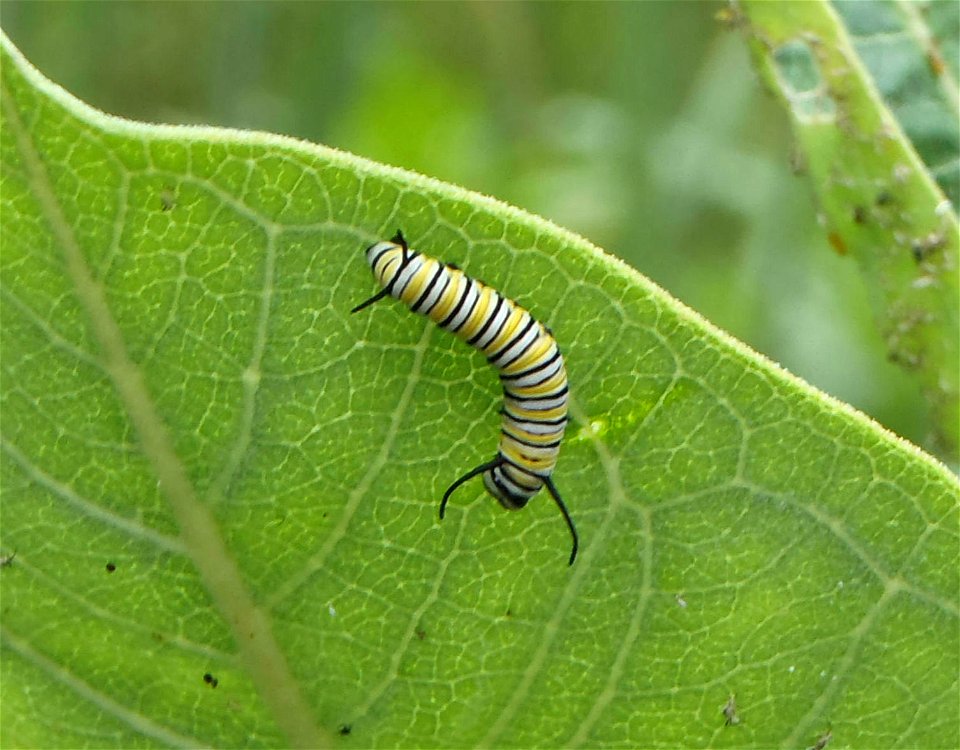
{"x": 221, "y": 487}
{"x": 871, "y": 91}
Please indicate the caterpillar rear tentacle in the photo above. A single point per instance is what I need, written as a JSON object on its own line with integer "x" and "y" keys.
{"x": 466, "y": 477}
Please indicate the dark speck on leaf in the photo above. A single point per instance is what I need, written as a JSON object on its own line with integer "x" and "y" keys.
{"x": 111, "y": 567}
{"x": 837, "y": 243}
{"x": 211, "y": 680}
{"x": 884, "y": 198}
{"x": 345, "y": 729}
{"x": 823, "y": 740}
{"x": 923, "y": 247}
{"x": 167, "y": 199}
{"x": 730, "y": 715}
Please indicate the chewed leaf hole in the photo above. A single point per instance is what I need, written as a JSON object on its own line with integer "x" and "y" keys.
{"x": 798, "y": 73}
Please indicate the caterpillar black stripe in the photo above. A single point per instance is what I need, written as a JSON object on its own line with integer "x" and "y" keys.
{"x": 524, "y": 352}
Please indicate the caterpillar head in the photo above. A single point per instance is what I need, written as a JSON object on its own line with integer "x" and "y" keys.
{"x": 494, "y": 484}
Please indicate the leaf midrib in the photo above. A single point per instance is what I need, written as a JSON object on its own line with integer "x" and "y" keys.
{"x": 253, "y": 636}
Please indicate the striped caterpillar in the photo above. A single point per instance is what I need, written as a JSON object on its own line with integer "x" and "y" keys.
{"x": 524, "y": 352}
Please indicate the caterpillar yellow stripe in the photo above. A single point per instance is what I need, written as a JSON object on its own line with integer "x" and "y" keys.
{"x": 524, "y": 352}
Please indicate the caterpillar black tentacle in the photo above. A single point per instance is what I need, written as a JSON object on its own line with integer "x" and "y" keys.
{"x": 523, "y": 350}
{"x": 469, "y": 475}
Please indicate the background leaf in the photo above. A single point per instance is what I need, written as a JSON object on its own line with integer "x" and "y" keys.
{"x": 834, "y": 65}
{"x": 175, "y": 310}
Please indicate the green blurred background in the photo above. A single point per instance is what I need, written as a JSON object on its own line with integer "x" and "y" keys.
{"x": 641, "y": 126}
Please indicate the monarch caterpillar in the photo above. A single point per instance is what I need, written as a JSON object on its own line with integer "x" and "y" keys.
{"x": 525, "y": 353}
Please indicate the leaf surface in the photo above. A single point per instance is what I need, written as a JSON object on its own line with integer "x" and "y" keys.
{"x": 222, "y": 488}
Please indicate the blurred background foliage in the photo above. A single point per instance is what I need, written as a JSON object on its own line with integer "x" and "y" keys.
{"x": 641, "y": 126}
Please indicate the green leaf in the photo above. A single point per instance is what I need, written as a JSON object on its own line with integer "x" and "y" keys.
{"x": 222, "y": 488}
{"x": 873, "y": 102}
